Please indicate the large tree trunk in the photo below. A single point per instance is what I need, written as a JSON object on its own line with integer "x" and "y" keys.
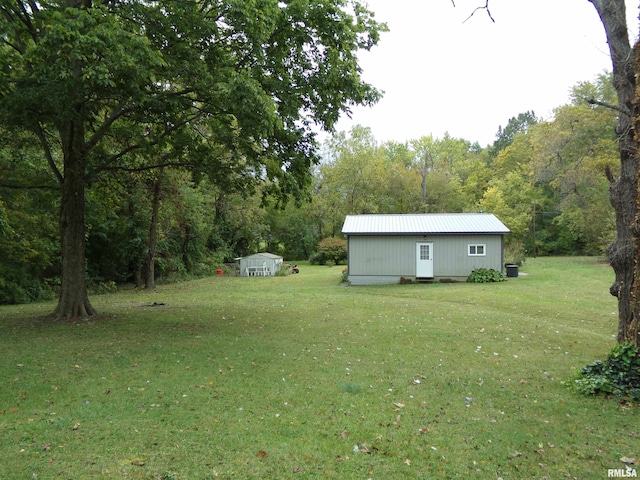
{"x": 74, "y": 300}
{"x": 623, "y": 253}
{"x": 150, "y": 275}
{"x": 630, "y": 330}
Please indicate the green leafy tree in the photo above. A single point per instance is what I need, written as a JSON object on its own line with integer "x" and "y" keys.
{"x": 437, "y": 162}
{"x": 510, "y": 200}
{"x": 29, "y": 248}
{"x": 571, "y": 154}
{"x": 399, "y": 190}
{"x": 293, "y": 232}
{"x": 515, "y": 125}
{"x": 350, "y": 181}
{"x": 102, "y": 85}
{"x": 240, "y": 224}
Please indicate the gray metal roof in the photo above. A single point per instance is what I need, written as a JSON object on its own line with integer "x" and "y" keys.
{"x": 423, "y": 224}
{"x": 263, "y": 255}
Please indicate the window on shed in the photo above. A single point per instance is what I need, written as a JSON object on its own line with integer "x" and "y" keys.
{"x": 477, "y": 250}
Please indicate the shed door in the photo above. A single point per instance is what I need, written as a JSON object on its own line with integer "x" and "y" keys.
{"x": 424, "y": 260}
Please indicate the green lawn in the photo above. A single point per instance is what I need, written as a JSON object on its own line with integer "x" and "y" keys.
{"x": 300, "y": 377}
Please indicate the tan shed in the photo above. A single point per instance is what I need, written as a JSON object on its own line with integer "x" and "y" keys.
{"x": 386, "y": 248}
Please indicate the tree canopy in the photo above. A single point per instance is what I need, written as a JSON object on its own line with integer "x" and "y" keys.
{"x": 228, "y": 89}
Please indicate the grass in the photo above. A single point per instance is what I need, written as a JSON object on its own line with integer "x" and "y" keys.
{"x": 299, "y": 377}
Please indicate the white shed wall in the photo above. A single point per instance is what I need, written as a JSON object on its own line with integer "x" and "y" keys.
{"x": 259, "y": 266}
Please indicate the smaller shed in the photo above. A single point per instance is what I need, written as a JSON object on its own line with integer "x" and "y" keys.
{"x": 260, "y": 265}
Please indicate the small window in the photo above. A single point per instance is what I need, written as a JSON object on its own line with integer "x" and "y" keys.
{"x": 477, "y": 250}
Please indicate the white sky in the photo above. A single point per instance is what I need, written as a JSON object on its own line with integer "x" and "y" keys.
{"x": 442, "y": 74}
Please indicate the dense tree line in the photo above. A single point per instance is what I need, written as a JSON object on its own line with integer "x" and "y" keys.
{"x": 544, "y": 179}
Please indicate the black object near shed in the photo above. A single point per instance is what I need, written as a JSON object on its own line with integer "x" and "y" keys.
{"x": 512, "y": 270}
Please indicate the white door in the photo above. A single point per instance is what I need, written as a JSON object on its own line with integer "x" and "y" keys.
{"x": 424, "y": 260}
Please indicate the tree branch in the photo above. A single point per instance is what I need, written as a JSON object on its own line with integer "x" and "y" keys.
{"x": 40, "y": 133}
{"x": 593, "y": 101}
{"x": 137, "y": 146}
{"x": 145, "y": 168}
{"x": 117, "y": 113}
{"x": 16, "y": 186}
{"x": 486, "y": 7}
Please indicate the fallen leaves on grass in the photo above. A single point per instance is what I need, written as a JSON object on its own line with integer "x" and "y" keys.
{"x": 360, "y": 448}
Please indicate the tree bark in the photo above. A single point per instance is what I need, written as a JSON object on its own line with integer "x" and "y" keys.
{"x": 424, "y": 171}
{"x": 623, "y": 253}
{"x": 150, "y": 275}
{"x": 630, "y": 330}
{"x": 73, "y": 302}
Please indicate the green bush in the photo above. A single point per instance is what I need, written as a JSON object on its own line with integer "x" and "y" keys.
{"x": 283, "y": 272}
{"x": 485, "y": 275}
{"x": 330, "y": 249}
{"x": 345, "y": 274}
{"x": 617, "y": 375}
{"x": 316, "y": 259}
{"x": 515, "y": 253}
{"x": 17, "y": 286}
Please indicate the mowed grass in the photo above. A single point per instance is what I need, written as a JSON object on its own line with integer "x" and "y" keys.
{"x": 299, "y": 377}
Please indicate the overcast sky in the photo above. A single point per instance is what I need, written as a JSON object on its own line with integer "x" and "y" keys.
{"x": 441, "y": 73}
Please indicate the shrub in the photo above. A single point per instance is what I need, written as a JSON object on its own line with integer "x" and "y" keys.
{"x": 316, "y": 259}
{"x": 330, "y": 249}
{"x": 345, "y": 274}
{"x": 617, "y": 375}
{"x": 98, "y": 287}
{"x": 16, "y": 286}
{"x": 485, "y": 275}
{"x": 283, "y": 271}
{"x": 515, "y": 253}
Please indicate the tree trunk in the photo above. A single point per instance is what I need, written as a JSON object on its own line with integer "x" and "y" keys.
{"x": 623, "y": 253}
{"x": 137, "y": 262}
{"x": 424, "y": 171}
{"x": 74, "y": 300}
{"x": 150, "y": 277}
{"x": 629, "y": 331}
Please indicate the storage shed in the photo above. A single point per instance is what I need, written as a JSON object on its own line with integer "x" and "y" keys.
{"x": 384, "y": 249}
{"x": 260, "y": 265}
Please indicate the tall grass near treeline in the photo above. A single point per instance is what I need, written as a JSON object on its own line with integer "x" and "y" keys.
{"x": 300, "y": 377}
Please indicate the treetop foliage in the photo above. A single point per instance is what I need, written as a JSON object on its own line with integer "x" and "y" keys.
{"x": 178, "y": 82}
